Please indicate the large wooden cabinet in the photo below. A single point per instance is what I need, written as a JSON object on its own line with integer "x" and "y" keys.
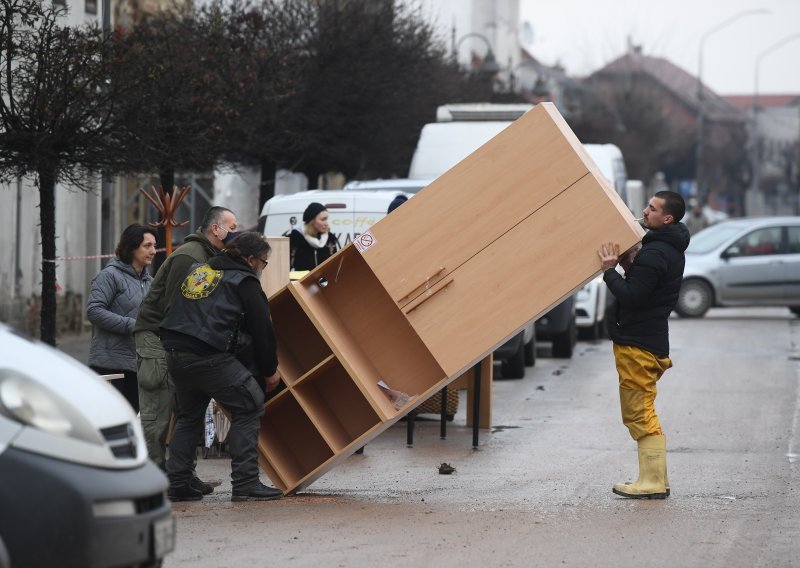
{"x": 432, "y": 288}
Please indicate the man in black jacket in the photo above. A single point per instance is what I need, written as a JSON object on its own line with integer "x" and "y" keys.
{"x": 644, "y": 299}
{"x": 220, "y": 344}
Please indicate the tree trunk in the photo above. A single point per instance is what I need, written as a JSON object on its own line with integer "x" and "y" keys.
{"x": 267, "y": 186}
{"x": 313, "y": 175}
{"x": 47, "y": 217}
{"x": 167, "y": 178}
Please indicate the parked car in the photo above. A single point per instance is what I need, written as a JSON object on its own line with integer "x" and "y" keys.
{"x": 78, "y": 488}
{"x": 591, "y": 305}
{"x": 742, "y": 262}
{"x": 559, "y": 326}
{"x": 517, "y": 353}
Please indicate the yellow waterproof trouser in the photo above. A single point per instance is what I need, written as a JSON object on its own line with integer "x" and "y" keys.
{"x": 639, "y": 370}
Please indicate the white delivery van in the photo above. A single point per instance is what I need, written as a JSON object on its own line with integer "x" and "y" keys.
{"x": 350, "y": 212}
{"x": 403, "y": 185}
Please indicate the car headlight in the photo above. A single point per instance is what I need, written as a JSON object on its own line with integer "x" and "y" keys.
{"x": 31, "y": 403}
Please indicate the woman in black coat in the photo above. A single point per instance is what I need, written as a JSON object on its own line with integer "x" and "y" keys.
{"x": 315, "y": 244}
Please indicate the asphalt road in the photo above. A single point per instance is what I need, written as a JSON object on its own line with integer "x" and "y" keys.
{"x": 537, "y": 492}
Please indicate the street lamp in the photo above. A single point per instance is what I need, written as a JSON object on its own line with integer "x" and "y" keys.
{"x": 756, "y": 165}
{"x": 538, "y": 69}
{"x": 489, "y": 64}
{"x": 698, "y": 173}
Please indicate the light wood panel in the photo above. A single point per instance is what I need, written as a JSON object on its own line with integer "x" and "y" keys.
{"x": 300, "y": 345}
{"x": 276, "y": 275}
{"x": 471, "y": 205}
{"x": 521, "y": 275}
{"x": 372, "y": 333}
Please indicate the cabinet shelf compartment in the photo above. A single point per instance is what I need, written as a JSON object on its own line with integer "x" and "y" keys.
{"x": 335, "y": 405}
{"x": 289, "y": 442}
{"x": 300, "y": 346}
{"x": 371, "y": 335}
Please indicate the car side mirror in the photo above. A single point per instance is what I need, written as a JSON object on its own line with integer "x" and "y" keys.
{"x": 731, "y": 251}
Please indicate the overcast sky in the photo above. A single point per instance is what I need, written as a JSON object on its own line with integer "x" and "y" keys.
{"x": 584, "y": 35}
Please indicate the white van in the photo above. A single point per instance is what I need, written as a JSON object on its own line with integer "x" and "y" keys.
{"x": 350, "y": 212}
{"x": 78, "y": 486}
{"x": 388, "y": 184}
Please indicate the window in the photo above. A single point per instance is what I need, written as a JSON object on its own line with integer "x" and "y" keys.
{"x": 794, "y": 240}
{"x": 759, "y": 242}
{"x": 90, "y": 7}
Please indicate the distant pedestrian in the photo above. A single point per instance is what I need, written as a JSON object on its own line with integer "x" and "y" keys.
{"x": 696, "y": 219}
{"x": 639, "y": 329}
{"x": 216, "y": 332}
{"x": 114, "y": 299}
{"x": 313, "y": 246}
{"x": 156, "y": 392}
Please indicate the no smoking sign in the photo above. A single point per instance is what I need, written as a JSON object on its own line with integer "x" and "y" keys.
{"x": 364, "y": 241}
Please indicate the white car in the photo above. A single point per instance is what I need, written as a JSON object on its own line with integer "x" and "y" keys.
{"x": 78, "y": 488}
{"x": 591, "y": 303}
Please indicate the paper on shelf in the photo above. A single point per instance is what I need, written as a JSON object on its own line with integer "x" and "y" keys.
{"x": 399, "y": 399}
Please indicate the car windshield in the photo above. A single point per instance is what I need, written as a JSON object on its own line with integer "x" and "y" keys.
{"x": 710, "y": 238}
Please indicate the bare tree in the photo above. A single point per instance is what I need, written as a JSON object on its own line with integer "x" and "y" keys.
{"x": 342, "y": 86}
{"x": 55, "y": 115}
{"x": 166, "y": 71}
{"x": 636, "y": 118}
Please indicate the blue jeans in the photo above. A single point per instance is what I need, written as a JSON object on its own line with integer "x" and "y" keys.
{"x": 198, "y": 379}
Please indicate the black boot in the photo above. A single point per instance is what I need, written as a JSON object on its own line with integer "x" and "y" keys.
{"x": 257, "y": 492}
{"x": 199, "y": 485}
{"x": 183, "y": 493}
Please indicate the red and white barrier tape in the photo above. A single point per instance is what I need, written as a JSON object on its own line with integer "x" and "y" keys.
{"x": 88, "y": 257}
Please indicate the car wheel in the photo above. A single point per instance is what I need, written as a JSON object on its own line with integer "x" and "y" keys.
{"x": 514, "y": 366}
{"x": 694, "y": 299}
{"x": 564, "y": 343}
{"x": 530, "y": 352}
{"x": 594, "y": 331}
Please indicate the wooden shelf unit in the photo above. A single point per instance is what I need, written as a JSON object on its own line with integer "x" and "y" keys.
{"x": 490, "y": 245}
{"x": 291, "y": 441}
{"x": 336, "y": 406}
{"x": 336, "y": 343}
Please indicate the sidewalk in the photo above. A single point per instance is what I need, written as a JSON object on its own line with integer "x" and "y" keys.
{"x": 76, "y": 346}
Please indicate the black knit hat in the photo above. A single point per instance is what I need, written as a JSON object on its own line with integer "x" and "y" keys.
{"x": 312, "y": 211}
{"x": 397, "y": 202}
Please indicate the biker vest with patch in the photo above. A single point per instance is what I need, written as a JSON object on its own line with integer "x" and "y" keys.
{"x": 209, "y": 308}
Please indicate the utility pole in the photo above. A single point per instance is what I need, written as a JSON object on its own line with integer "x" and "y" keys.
{"x": 755, "y": 150}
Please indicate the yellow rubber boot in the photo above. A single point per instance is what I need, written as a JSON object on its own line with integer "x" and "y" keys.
{"x": 666, "y": 477}
{"x": 651, "y": 483}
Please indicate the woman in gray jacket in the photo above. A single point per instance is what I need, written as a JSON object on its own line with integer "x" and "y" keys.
{"x": 114, "y": 299}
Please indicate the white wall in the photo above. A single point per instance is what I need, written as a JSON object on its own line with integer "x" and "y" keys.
{"x": 238, "y": 189}
{"x": 77, "y": 226}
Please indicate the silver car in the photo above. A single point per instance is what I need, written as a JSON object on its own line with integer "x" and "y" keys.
{"x": 743, "y": 262}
